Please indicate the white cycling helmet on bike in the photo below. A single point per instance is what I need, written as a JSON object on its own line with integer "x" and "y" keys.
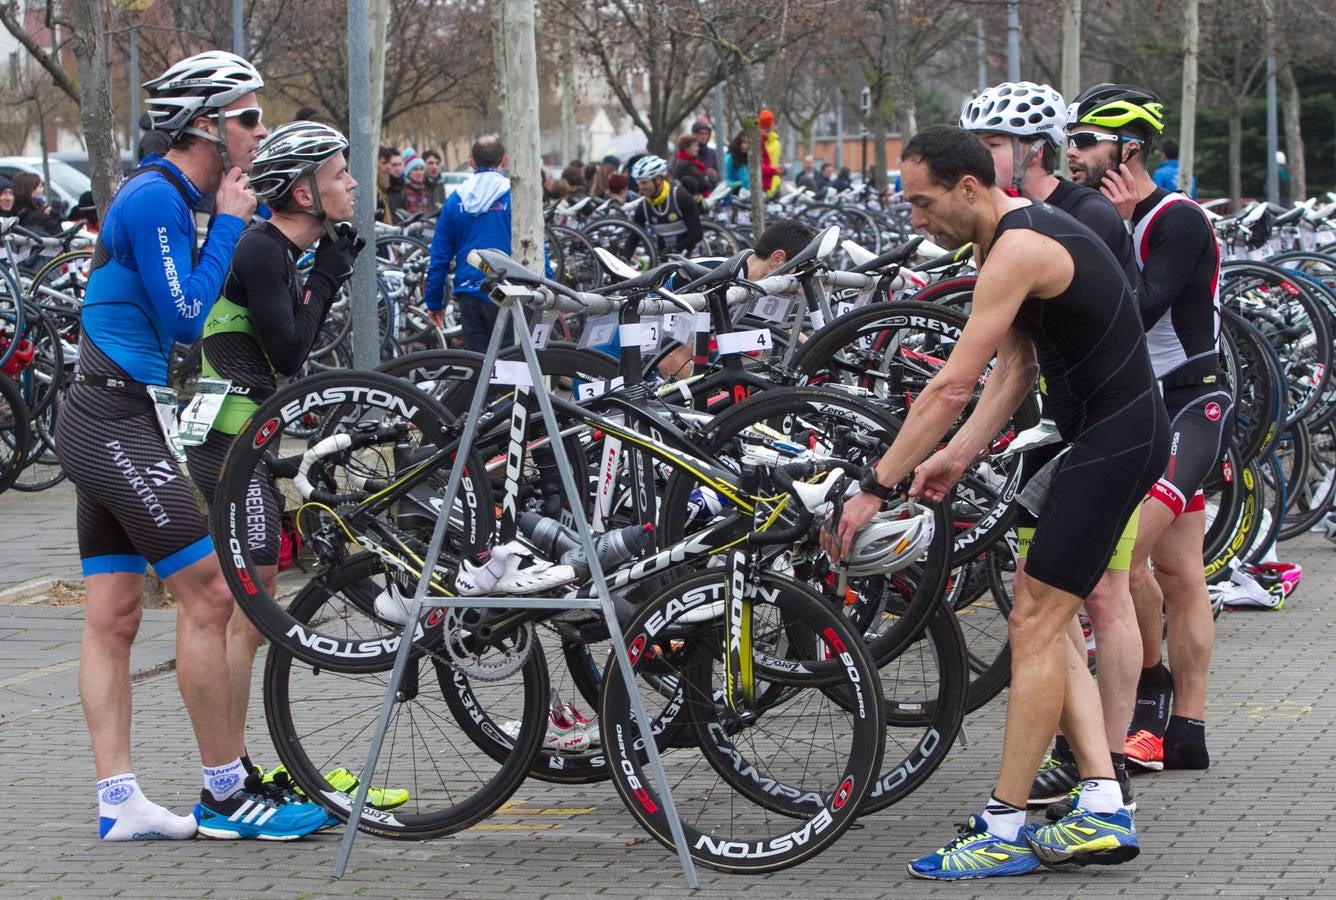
{"x": 890, "y": 541}
{"x": 291, "y": 152}
{"x": 196, "y": 86}
{"x": 1018, "y": 108}
{"x": 649, "y": 167}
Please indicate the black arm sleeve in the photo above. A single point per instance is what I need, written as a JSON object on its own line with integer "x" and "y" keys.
{"x": 285, "y": 320}
{"x": 691, "y": 216}
{"x": 638, "y": 217}
{"x": 1095, "y": 212}
{"x": 1180, "y": 243}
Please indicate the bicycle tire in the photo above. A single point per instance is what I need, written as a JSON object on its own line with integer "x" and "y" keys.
{"x": 721, "y": 833}
{"x": 312, "y": 736}
{"x": 15, "y": 433}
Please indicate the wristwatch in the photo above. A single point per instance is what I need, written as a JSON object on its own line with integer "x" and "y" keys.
{"x": 870, "y": 484}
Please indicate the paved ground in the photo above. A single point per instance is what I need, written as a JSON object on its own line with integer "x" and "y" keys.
{"x": 1259, "y": 823}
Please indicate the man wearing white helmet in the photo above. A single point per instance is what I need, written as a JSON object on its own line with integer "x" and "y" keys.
{"x": 669, "y": 212}
{"x": 1023, "y": 125}
{"x": 148, "y": 289}
{"x": 263, "y": 326}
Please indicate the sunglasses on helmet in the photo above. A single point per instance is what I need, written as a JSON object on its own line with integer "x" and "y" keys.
{"x": 1084, "y": 140}
{"x": 247, "y": 118}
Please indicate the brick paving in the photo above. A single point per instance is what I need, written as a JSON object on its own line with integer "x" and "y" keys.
{"x": 1259, "y": 823}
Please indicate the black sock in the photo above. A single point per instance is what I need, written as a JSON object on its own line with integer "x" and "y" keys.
{"x": 1185, "y": 744}
{"x": 1119, "y": 765}
{"x": 1063, "y": 750}
{"x": 1155, "y": 689}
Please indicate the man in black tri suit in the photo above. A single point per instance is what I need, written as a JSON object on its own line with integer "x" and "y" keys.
{"x": 264, "y": 325}
{"x": 1110, "y": 134}
{"x": 1024, "y": 126}
{"x": 1051, "y": 300}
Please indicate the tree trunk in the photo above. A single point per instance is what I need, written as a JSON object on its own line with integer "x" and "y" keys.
{"x": 379, "y": 16}
{"x": 95, "y": 111}
{"x": 1071, "y": 48}
{"x": 1187, "y": 134}
{"x": 1294, "y": 141}
{"x": 568, "y": 136}
{"x": 517, "y": 87}
{"x": 1235, "y": 155}
{"x": 755, "y": 159}
{"x": 880, "y": 162}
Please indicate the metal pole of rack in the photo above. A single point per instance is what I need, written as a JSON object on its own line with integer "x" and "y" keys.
{"x": 361, "y": 293}
{"x": 512, "y": 315}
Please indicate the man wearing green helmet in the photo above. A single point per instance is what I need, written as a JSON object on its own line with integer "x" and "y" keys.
{"x": 1110, "y": 130}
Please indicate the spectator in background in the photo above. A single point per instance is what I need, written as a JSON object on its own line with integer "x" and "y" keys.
{"x": 31, "y": 207}
{"x": 736, "y": 173}
{"x": 417, "y": 199}
{"x": 549, "y": 184}
{"x": 844, "y": 180}
{"x": 598, "y": 185}
{"x": 1284, "y": 178}
{"x": 687, "y": 169}
{"x": 706, "y": 154}
{"x": 477, "y": 216}
{"x": 85, "y": 212}
{"x": 807, "y": 178}
{"x": 394, "y": 186}
{"x": 574, "y": 177}
{"x": 384, "y": 209}
{"x": 771, "y": 172}
{"x": 1166, "y": 174}
{"x": 151, "y": 141}
{"x": 309, "y": 114}
{"x": 619, "y": 186}
{"x": 434, "y": 182}
{"x": 826, "y": 176}
{"x": 6, "y": 197}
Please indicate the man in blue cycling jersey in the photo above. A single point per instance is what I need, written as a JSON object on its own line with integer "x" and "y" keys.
{"x": 150, "y": 288}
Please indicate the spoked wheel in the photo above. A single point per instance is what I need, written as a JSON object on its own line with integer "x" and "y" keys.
{"x": 432, "y": 778}
{"x": 779, "y": 781}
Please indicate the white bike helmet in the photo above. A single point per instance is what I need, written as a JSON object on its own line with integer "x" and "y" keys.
{"x": 1020, "y": 109}
{"x": 890, "y": 541}
{"x": 196, "y": 86}
{"x": 291, "y": 152}
{"x": 649, "y": 167}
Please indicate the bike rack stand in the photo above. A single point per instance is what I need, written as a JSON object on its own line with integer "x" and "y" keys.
{"x": 512, "y": 313}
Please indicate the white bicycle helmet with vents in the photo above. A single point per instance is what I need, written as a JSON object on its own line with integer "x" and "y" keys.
{"x": 291, "y": 152}
{"x": 649, "y": 167}
{"x": 1020, "y": 109}
{"x": 198, "y": 85}
{"x": 890, "y": 541}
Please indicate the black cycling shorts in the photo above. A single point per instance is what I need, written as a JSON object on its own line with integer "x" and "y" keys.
{"x": 264, "y": 506}
{"x": 1200, "y": 424}
{"x": 135, "y": 505}
{"x": 1098, "y": 485}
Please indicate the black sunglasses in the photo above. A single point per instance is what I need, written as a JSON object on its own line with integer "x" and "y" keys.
{"x": 1084, "y": 140}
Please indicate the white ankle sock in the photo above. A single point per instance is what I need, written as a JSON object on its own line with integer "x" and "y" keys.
{"x": 125, "y": 814}
{"x": 1003, "y": 820}
{"x": 224, "y": 781}
{"x": 1100, "y": 795}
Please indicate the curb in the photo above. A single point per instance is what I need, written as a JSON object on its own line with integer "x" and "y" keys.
{"x": 30, "y": 593}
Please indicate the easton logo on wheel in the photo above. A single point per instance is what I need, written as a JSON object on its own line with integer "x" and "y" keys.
{"x": 1213, "y": 411}
{"x": 267, "y": 430}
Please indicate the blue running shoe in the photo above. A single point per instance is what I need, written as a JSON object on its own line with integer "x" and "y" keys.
{"x": 252, "y": 814}
{"x": 975, "y": 854}
{"x": 1085, "y": 838}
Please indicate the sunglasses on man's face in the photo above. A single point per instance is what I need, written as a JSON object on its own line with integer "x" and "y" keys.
{"x": 1084, "y": 140}
{"x": 247, "y": 118}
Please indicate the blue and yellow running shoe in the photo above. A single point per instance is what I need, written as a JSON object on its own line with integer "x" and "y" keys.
{"x": 1085, "y": 838}
{"x": 249, "y": 814}
{"x": 976, "y": 854}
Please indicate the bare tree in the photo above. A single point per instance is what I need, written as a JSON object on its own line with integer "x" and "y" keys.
{"x": 1232, "y": 60}
{"x": 95, "y": 110}
{"x": 681, "y": 49}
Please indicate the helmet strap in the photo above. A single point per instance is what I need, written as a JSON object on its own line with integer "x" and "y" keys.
{"x": 219, "y": 139}
{"x": 1018, "y": 170}
{"x": 317, "y": 208}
